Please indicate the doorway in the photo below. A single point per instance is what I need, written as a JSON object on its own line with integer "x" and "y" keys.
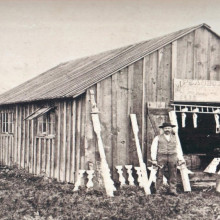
{"x": 201, "y": 143}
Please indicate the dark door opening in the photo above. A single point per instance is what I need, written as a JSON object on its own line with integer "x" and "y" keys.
{"x": 202, "y": 141}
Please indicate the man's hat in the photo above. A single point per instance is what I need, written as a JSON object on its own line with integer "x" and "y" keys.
{"x": 167, "y": 124}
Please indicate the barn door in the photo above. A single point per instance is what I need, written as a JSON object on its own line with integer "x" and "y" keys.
{"x": 157, "y": 113}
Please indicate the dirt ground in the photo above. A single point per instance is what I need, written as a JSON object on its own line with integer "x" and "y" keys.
{"x": 24, "y": 196}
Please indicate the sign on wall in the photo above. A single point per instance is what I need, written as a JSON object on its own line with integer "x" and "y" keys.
{"x": 188, "y": 90}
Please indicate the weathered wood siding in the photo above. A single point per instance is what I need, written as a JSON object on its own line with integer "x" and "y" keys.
{"x": 194, "y": 56}
{"x": 56, "y": 157}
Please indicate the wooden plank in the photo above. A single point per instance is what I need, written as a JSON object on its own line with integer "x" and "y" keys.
{"x": 43, "y": 154}
{"x": 122, "y": 117}
{"x": 201, "y": 54}
{"x": 190, "y": 56}
{"x": 137, "y": 100}
{"x": 104, "y": 103}
{"x": 58, "y": 117}
{"x": 73, "y": 141}
{"x": 3, "y": 151}
{"x": 32, "y": 141}
{"x": 19, "y": 135}
{"x": 214, "y": 57}
{"x": 114, "y": 122}
{"x": 179, "y": 48}
{"x": 53, "y": 159}
{"x": 160, "y": 76}
{"x": 90, "y": 139}
{"x": 174, "y": 60}
{"x": 143, "y": 128}
{"x": 35, "y": 156}
{"x": 82, "y": 134}
{"x": 48, "y": 156}
{"x": 39, "y": 158}
{"x": 11, "y": 150}
{"x": 151, "y": 77}
{"x": 63, "y": 145}
{"x": 78, "y": 129}
{"x": 6, "y": 150}
{"x": 11, "y": 155}
{"x": 151, "y": 69}
{"x": 28, "y": 139}
{"x": 164, "y": 76}
{"x": 174, "y": 65}
{"x": 23, "y": 145}
{"x": 68, "y": 152}
{"x": 131, "y": 143}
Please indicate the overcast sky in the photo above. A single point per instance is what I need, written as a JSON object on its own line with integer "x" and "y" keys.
{"x": 36, "y": 35}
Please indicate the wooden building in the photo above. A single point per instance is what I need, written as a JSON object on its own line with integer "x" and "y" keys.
{"x": 46, "y": 123}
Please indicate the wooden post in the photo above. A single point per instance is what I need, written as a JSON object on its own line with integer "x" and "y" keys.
{"x": 108, "y": 182}
{"x": 183, "y": 169}
{"x": 140, "y": 158}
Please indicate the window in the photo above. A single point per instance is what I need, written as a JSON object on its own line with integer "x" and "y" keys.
{"x": 7, "y": 124}
{"x": 45, "y": 118}
{"x": 46, "y": 124}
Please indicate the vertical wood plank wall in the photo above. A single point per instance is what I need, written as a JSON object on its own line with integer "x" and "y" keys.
{"x": 194, "y": 56}
{"x": 56, "y": 157}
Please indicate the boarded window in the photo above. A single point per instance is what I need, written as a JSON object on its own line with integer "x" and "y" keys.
{"x": 7, "y": 122}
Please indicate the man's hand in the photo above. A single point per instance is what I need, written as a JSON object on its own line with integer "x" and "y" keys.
{"x": 154, "y": 162}
{"x": 181, "y": 162}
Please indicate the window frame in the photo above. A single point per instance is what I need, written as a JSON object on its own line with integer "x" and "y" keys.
{"x": 7, "y": 122}
{"x": 46, "y": 124}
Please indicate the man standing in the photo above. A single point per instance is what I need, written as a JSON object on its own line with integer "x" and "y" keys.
{"x": 165, "y": 151}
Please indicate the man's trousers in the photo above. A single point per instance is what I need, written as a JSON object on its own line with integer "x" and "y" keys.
{"x": 168, "y": 161}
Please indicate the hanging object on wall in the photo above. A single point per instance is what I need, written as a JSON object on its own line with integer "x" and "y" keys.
{"x": 130, "y": 177}
{"x": 195, "y": 116}
{"x": 216, "y": 116}
{"x": 183, "y": 116}
{"x": 121, "y": 177}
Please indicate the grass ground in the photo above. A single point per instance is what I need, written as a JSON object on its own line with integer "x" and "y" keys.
{"x": 24, "y": 196}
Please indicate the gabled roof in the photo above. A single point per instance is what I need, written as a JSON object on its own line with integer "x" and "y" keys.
{"x": 72, "y": 78}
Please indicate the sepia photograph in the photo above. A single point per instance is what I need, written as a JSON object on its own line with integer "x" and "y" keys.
{"x": 110, "y": 110}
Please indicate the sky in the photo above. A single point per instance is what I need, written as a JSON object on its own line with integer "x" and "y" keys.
{"x": 36, "y": 35}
